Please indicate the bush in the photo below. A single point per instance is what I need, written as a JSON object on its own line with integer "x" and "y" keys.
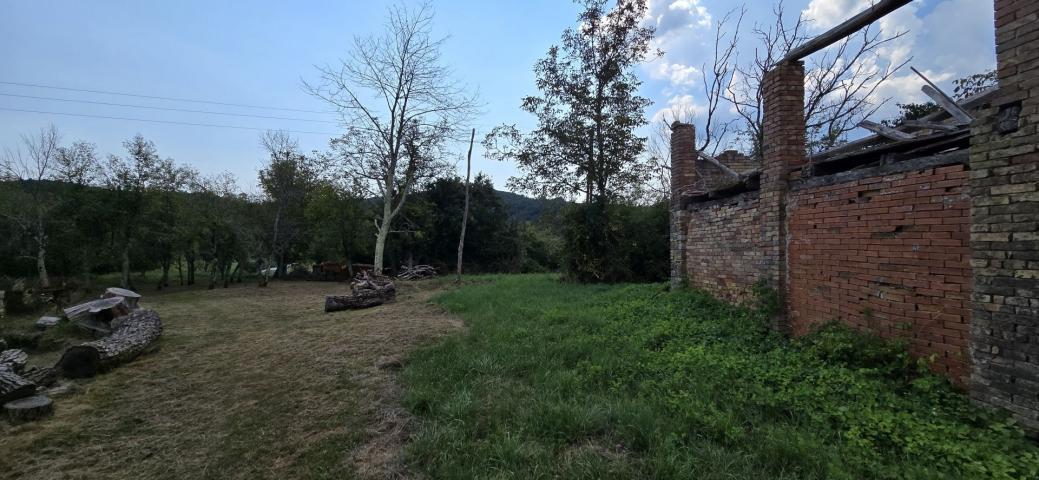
{"x": 613, "y": 243}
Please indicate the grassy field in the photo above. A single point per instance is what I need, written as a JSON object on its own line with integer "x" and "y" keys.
{"x": 249, "y": 383}
{"x": 554, "y": 380}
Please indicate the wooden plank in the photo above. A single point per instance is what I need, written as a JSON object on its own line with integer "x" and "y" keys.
{"x": 948, "y": 104}
{"x": 943, "y": 100}
{"x": 848, "y": 27}
{"x": 885, "y": 131}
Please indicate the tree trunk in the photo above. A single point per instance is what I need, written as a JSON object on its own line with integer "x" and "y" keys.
{"x": 135, "y": 335}
{"x": 41, "y": 252}
{"x": 164, "y": 281}
{"x": 361, "y": 298}
{"x": 180, "y": 271}
{"x": 380, "y": 245}
{"x": 190, "y": 258}
{"x": 125, "y": 281}
{"x": 465, "y": 211}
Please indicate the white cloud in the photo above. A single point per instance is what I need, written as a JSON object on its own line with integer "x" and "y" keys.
{"x": 679, "y": 107}
{"x": 676, "y": 74}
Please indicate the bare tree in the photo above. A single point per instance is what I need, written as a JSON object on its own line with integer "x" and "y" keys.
{"x": 37, "y": 163}
{"x": 400, "y": 105}
{"x": 840, "y": 86}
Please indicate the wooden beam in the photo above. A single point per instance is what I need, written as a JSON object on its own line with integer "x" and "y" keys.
{"x": 720, "y": 165}
{"x": 930, "y": 125}
{"x": 943, "y": 100}
{"x": 850, "y": 26}
{"x": 948, "y": 104}
{"x": 885, "y": 131}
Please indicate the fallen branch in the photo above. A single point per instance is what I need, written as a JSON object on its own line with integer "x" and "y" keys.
{"x": 136, "y": 334}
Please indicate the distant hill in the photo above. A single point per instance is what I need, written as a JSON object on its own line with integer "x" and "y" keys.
{"x": 526, "y": 209}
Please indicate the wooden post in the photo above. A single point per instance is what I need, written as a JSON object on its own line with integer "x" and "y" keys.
{"x": 465, "y": 211}
{"x": 879, "y": 10}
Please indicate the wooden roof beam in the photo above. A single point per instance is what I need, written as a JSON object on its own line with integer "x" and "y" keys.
{"x": 850, "y": 26}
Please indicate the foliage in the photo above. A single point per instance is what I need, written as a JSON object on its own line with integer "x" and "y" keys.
{"x": 588, "y": 110}
{"x": 971, "y": 85}
{"x": 628, "y": 381}
{"x": 400, "y": 105}
{"x": 616, "y": 243}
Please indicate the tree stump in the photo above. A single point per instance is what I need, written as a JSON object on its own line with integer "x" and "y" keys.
{"x": 136, "y": 334}
{"x": 29, "y": 408}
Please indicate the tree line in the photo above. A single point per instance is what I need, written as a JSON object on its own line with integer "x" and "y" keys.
{"x": 72, "y": 215}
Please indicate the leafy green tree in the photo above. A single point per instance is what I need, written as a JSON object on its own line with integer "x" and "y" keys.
{"x": 588, "y": 112}
{"x": 286, "y": 180}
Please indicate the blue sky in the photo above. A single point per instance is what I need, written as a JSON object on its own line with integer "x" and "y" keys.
{"x": 256, "y": 53}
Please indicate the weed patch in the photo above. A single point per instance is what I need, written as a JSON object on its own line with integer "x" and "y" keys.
{"x": 557, "y": 380}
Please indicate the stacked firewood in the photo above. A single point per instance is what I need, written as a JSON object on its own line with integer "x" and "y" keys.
{"x": 366, "y": 291}
{"x": 418, "y": 272}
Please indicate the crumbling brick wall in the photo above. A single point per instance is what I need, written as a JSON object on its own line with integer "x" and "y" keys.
{"x": 887, "y": 253}
{"x": 943, "y": 250}
{"x": 724, "y": 254}
{"x": 1004, "y": 164}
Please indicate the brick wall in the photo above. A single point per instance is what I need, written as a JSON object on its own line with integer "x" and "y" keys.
{"x": 724, "y": 254}
{"x": 683, "y": 175}
{"x": 1005, "y": 213}
{"x": 783, "y": 153}
{"x": 942, "y": 250}
{"x": 888, "y": 254}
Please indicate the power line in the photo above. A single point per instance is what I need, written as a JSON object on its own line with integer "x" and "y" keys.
{"x": 166, "y": 108}
{"x": 162, "y": 121}
{"x": 156, "y": 97}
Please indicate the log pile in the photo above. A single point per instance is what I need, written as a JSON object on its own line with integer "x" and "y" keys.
{"x": 418, "y": 272}
{"x": 366, "y": 291}
{"x": 135, "y": 334}
{"x": 12, "y": 384}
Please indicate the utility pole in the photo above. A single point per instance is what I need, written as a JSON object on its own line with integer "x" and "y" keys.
{"x": 465, "y": 211}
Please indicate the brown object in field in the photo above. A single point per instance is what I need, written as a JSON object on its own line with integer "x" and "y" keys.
{"x": 130, "y": 297}
{"x": 97, "y": 315}
{"x": 29, "y": 408}
{"x": 13, "y": 360}
{"x": 366, "y": 291}
{"x": 135, "y": 334}
{"x": 13, "y": 386}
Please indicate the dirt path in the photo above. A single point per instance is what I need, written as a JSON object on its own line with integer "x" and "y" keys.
{"x": 249, "y": 383}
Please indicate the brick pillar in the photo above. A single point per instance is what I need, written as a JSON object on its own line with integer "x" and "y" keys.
{"x": 1004, "y": 162}
{"x": 783, "y": 152}
{"x": 683, "y": 177}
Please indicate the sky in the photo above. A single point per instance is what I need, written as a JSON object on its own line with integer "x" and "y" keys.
{"x": 241, "y": 55}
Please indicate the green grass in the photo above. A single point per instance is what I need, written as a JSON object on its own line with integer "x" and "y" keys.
{"x": 556, "y": 380}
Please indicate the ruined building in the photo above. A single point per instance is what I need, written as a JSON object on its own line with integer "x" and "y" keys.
{"x": 927, "y": 233}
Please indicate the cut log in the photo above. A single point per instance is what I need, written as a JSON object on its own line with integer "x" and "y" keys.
{"x": 41, "y": 376}
{"x": 130, "y": 297}
{"x": 13, "y": 360}
{"x": 47, "y": 322}
{"x": 366, "y": 297}
{"x": 97, "y": 315}
{"x": 136, "y": 334}
{"x": 29, "y": 408}
{"x": 13, "y": 386}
